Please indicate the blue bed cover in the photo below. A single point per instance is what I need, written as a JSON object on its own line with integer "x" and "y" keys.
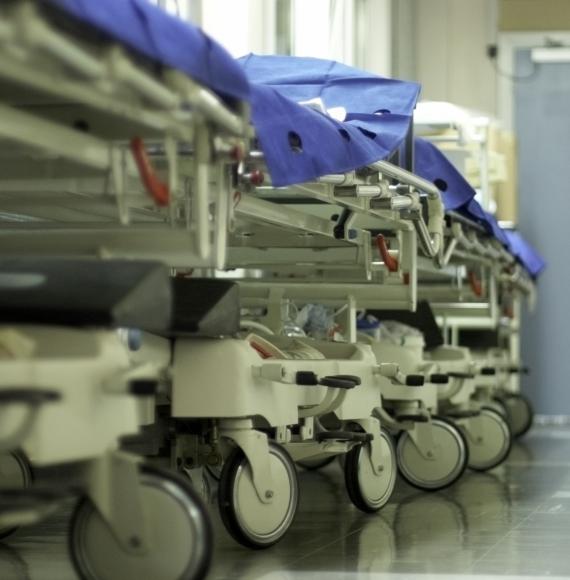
{"x": 527, "y": 254}
{"x": 378, "y": 115}
{"x": 458, "y": 195}
{"x": 432, "y": 164}
{"x": 148, "y": 29}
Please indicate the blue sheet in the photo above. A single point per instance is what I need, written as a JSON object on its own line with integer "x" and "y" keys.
{"x": 379, "y": 113}
{"x": 301, "y": 144}
{"x": 528, "y": 256}
{"x": 457, "y": 194}
{"x": 432, "y": 164}
{"x": 147, "y": 29}
{"x": 475, "y": 212}
{"x": 338, "y": 85}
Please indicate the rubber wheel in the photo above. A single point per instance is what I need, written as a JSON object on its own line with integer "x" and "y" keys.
{"x": 316, "y": 464}
{"x": 249, "y": 521}
{"x": 441, "y": 471}
{"x": 520, "y": 414}
{"x": 180, "y": 534}
{"x": 368, "y": 491}
{"x": 495, "y": 445}
{"x": 498, "y": 405}
{"x": 15, "y": 473}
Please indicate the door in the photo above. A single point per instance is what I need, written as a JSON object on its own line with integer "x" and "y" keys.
{"x": 542, "y": 122}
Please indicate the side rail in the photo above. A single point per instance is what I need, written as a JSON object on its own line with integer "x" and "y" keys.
{"x": 102, "y": 151}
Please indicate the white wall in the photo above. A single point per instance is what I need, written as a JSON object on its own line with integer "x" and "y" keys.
{"x": 241, "y": 26}
{"x": 373, "y": 36}
{"x": 355, "y": 32}
{"x": 447, "y": 50}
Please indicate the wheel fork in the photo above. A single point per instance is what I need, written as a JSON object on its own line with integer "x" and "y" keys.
{"x": 378, "y": 460}
{"x": 422, "y": 436}
{"x": 255, "y": 446}
{"x": 114, "y": 487}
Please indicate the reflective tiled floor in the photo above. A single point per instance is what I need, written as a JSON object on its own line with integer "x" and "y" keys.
{"x": 514, "y": 521}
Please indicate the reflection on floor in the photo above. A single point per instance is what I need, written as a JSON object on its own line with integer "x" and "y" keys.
{"x": 514, "y": 521}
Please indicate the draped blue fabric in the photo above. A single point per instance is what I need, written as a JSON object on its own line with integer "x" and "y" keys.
{"x": 145, "y": 28}
{"x": 526, "y": 253}
{"x": 378, "y": 115}
{"x": 458, "y": 195}
{"x": 432, "y": 164}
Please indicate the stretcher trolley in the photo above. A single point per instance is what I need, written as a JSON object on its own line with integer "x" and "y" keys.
{"x": 233, "y": 411}
{"x": 114, "y": 145}
{"x": 392, "y": 222}
{"x": 407, "y": 403}
{"x": 68, "y": 395}
{"x": 243, "y": 406}
{"x": 465, "y": 391}
{"x": 500, "y": 269}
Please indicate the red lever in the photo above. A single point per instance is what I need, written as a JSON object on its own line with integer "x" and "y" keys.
{"x": 156, "y": 188}
{"x": 263, "y": 353}
{"x": 237, "y": 153}
{"x": 391, "y": 263}
{"x": 475, "y": 283}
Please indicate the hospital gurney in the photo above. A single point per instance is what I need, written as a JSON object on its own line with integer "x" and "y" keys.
{"x": 485, "y": 249}
{"x": 456, "y": 384}
{"x": 68, "y": 395}
{"x": 357, "y": 279}
{"x": 111, "y": 145}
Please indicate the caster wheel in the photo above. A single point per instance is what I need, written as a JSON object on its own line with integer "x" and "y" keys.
{"x": 520, "y": 414}
{"x": 249, "y": 521}
{"x": 15, "y": 473}
{"x": 315, "y": 464}
{"x": 367, "y": 490}
{"x": 494, "y": 446}
{"x": 498, "y": 405}
{"x": 445, "y": 468}
{"x": 180, "y": 533}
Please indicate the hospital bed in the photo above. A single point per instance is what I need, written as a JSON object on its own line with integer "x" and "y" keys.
{"x": 500, "y": 275}
{"x": 111, "y": 147}
{"x": 69, "y": 394}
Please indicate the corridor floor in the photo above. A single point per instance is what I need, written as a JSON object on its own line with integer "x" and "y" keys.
{"x": 511, "y": 522}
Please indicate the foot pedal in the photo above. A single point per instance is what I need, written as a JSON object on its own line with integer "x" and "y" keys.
{"x": 457, "y": 375}
{"x": 349, "y": 436}
{"x": 467, "y": 414}
{"x": 413, "y": 418}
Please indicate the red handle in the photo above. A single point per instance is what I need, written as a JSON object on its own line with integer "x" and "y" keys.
{"x": 156, "y": 188}
{"x": 475, "y": 283}
{"x": 391, "y": 263}
{"x": 263, "y": 353}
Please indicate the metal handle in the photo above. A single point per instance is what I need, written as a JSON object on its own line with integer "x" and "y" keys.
{"x": 406, "y": 177}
